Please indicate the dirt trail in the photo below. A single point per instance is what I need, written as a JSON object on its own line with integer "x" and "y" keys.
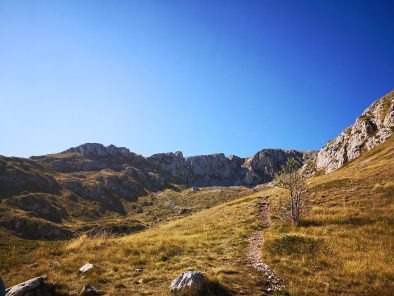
{"x": 255, "y": 246}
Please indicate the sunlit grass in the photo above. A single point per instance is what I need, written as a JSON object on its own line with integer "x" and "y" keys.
{"x": 212, "y": 241}
{"x": 343, "y": 246}
{"x": 351, "y": 218}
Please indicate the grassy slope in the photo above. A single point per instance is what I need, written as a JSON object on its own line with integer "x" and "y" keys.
{"x": 212, "y": 240}
{"x": 149, "y": 210}
{"x": 345, "y": 245}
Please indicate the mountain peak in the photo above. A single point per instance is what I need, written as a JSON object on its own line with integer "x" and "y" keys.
{"x": 372, "y": 128}
{"x": 96, "y": 149}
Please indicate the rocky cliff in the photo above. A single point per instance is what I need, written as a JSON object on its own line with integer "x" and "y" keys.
{"x": 372, "y": 128}
{"x": 218, "y": 169}
{"x": 85, "y": 182}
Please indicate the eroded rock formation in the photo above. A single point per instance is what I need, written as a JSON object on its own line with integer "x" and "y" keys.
{"x": 372, "y": 128}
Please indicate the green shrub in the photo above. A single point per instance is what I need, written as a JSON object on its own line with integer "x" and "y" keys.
{"x": 294, "y": 245}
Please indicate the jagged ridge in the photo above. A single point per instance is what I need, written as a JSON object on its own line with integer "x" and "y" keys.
{"x": 372, "y": 128}
{"x": 88, "y": 181}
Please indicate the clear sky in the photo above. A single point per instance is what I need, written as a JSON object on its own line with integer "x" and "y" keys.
{"x": 197, "y": 76}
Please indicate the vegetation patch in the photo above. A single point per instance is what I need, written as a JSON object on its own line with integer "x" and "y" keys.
{"x": 386, "y": 188}
{"x": 294, "y": 245}
{"x": 332, "y": 184}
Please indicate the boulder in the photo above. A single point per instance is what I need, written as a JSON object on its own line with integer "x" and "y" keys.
{"x": 189, "y": 281}
{"x": 89, "y": 290}
{"x": 33, "y": 287}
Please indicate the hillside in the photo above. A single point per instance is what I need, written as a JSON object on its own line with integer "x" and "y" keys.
{"x": 344, "y": 245}
{"x": 141, "y": 221}
{"x": 62, "y": 195}
{"x": 58, "y": 196}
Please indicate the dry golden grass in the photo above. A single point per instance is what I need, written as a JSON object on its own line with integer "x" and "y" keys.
{"x": 212, "y": 241}
{"x": 345, "y": 245}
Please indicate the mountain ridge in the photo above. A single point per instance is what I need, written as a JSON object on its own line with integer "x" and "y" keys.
{"x": 49, "y": 196}
{"x": 374, "y": 126}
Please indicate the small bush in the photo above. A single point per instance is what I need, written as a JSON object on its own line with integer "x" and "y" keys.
{"x": 294, "y": 245}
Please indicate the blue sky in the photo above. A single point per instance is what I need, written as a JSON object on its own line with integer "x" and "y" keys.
{"x": 197, "y": 76}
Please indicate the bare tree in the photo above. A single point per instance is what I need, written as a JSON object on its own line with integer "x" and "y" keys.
{"x": 292, "y": 180}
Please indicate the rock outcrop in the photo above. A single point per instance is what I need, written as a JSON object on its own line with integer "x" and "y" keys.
{"x": 220, "y": 170}
{"x": 171, "y": 164}
{"x": 44, "y": 205}
{"x": 95, "y": 149}
{"x": 33, "y": 228}
{"x": 18, "y": 175}
{"x": 265, "y": 164}
{"x": 86, "y": 182}
{"x": 372, "y": 128}
{"x": 213, "y": 169}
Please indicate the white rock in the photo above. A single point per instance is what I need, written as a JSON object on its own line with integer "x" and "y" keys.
{"x": 194, "y": 280}
{"x": 22, "y": 288}
{"x": 86, "y": 267}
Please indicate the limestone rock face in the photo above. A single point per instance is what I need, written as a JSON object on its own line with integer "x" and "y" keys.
{"x": 172, "y": 164}
{"x": 372, "y": 128}
{"x": 265, "y": 164}
{"x": 91, "y": 180}
{"x": 213, "y": 169}
{"x": 95, "y": 149}
{"x": 220, "y": 170}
